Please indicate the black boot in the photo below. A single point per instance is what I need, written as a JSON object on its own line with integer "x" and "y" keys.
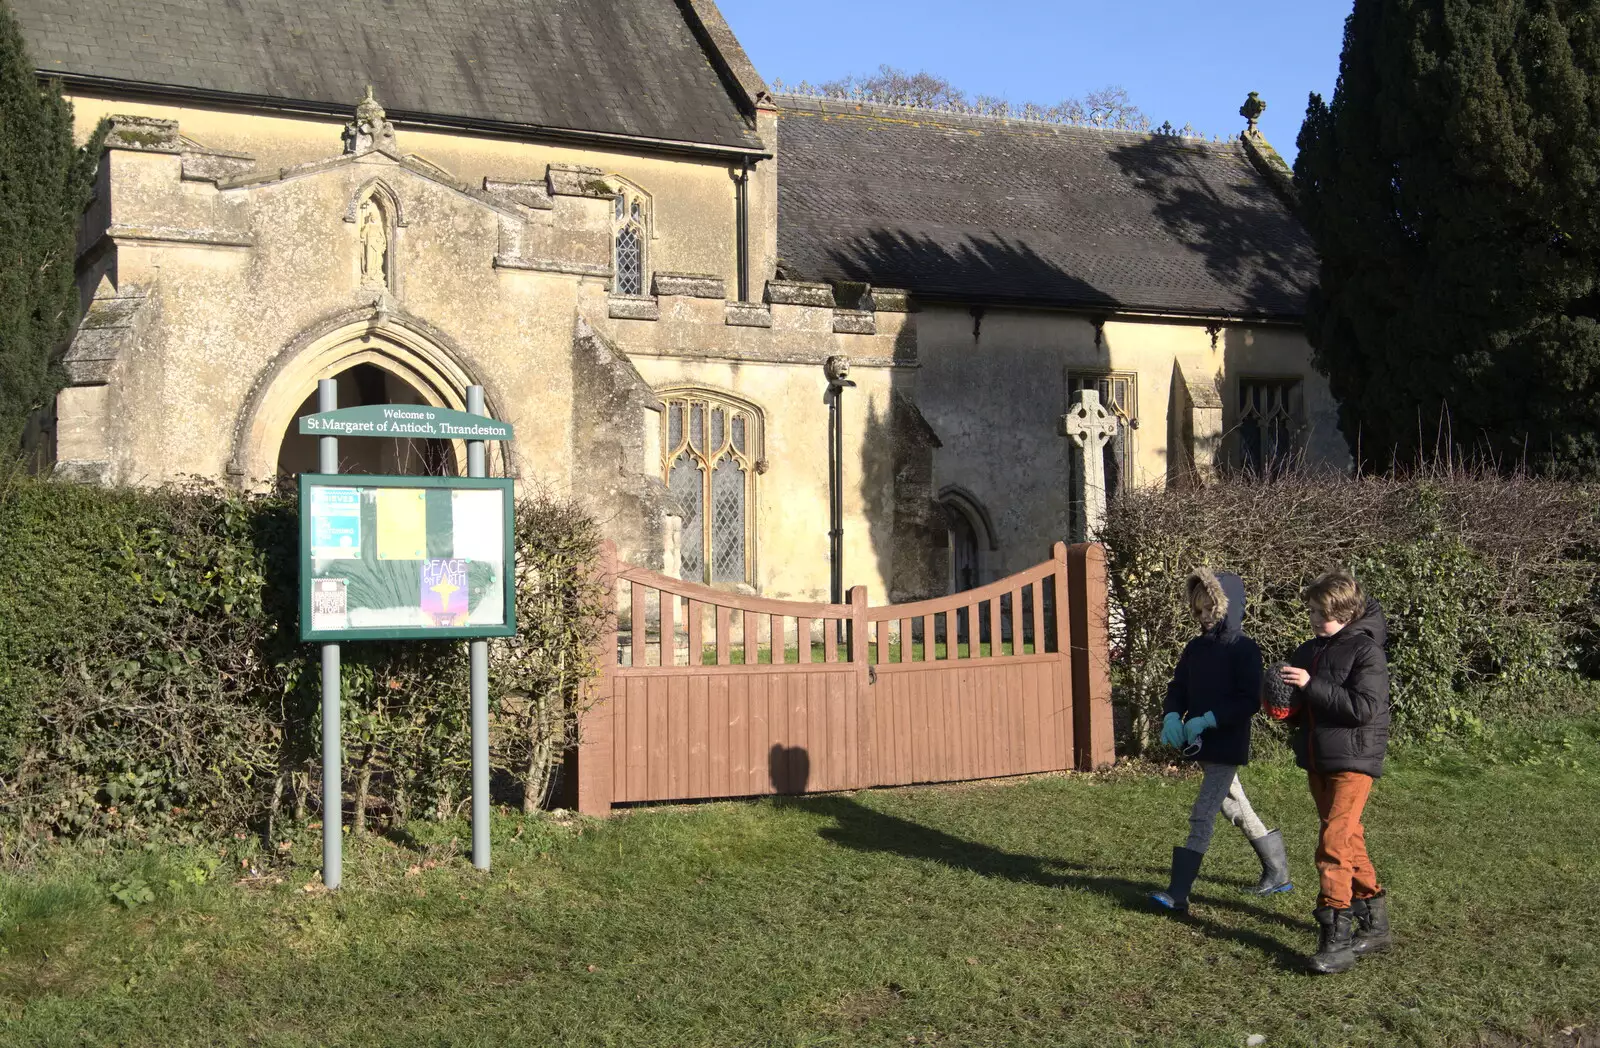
{"x": 1333, "y": 948}
{"x": 1371, "y": 925}
{"x": 1274, "y": 865}
{"x": 1185, "y": 868}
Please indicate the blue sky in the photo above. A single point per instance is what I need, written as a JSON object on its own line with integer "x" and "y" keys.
{"x": 1180, "y": 60}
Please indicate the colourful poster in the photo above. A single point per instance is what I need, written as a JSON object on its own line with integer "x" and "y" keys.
{"x": 335, "y": 524}
{"x": 402, "y": 524}
{"x": 444, "y": 591}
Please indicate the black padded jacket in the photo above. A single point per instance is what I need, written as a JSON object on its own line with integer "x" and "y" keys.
{"x": 1343, "y": 720}
{"x": 1220, "y": 673}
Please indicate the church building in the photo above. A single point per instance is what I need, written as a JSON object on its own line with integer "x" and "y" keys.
{"x": 660, "y": 273}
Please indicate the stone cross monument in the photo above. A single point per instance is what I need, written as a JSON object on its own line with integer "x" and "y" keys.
{"x": 1090, "y": 426}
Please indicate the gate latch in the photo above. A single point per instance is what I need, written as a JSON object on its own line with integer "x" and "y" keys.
{"x": 872, "y": 675}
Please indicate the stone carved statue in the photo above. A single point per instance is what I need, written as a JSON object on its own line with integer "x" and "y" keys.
{"x": 374, "y": 235}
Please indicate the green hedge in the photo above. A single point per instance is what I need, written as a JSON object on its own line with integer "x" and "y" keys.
{"x": 151, "y": 680}
{"x": 1488, "y": 584}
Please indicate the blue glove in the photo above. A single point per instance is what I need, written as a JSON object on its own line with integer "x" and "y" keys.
{"x": 1172, "y": 730}
{"x": 1195, "y": 725}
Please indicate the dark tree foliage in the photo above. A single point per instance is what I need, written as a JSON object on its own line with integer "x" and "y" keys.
{"x": 1451, "y": 190}
{"x": 45, "y": 183}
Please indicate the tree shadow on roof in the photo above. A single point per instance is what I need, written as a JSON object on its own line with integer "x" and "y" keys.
{"x": 1244, "y": 232}
{"x": 973, "y": 268}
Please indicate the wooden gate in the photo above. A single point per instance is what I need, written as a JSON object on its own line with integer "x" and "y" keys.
{"x": 708, "y": 694}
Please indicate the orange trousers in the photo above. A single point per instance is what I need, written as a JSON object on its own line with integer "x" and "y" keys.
{"x": 1342, "y": 861}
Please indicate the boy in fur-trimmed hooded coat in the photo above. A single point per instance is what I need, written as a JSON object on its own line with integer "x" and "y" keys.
{"x": 1214, "y": 693}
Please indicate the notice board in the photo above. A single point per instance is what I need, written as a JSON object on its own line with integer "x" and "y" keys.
{"x": 413, "y": 558}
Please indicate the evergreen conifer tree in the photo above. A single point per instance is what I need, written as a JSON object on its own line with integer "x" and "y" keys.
{"x": 1452, "y": 188}
{"x": 45, "y": 182}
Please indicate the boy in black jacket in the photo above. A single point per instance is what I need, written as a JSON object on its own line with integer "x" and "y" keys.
{"x": 1214, "y": 692}
{"x": 1341, "y": 733}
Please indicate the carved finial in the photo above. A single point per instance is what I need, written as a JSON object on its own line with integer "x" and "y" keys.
{"x": 370, "y": 129}
{"x": 1251, "y": 111}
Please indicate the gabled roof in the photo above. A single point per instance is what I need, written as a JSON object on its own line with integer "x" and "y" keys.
{"x": 635, "y": 68}
{"x": 983, "y": 209}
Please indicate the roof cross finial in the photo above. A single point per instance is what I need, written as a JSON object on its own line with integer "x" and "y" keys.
{"x": 370, "y": 129}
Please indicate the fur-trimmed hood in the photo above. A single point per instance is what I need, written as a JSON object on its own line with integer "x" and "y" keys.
{"x": 1227, "y": 593}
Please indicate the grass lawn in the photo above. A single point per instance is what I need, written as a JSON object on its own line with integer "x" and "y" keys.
{"x": 990, "y": 914}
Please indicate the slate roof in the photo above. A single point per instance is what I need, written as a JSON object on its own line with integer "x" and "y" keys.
{"x": 988, "y": 210}
{"x": 624, "y": 67}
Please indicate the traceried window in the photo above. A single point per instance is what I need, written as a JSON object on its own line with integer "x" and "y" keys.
{"x": 711, "y": 446}
{"x": 1270, "y": 414}
{"x": 630, "y": 233}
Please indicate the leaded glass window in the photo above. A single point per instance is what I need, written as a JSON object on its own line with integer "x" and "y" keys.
{"x": 711, "y": 447}
{"x": 1270, "y": 413}
{"x": 630, "y": 234}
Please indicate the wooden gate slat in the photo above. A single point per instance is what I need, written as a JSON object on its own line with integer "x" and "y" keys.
{"x": 718, "y": 722}
{"x": 669, "y": 638}
{"x": 700, "y": 736}
{"x": 677, "y": 736}
{"x": 697, "y": 648}
{"x": 657, "y": 779}
{"x": 739, "y": 733}
{"x": 724, "y": 639}
{"x": 636, "y": 738}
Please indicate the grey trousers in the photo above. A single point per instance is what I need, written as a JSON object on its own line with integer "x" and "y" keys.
{"x": 1220, "y": 791}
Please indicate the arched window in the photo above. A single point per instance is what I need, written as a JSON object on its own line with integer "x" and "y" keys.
{"x": 711, "y": 446}
{"x": 630, "y": 236}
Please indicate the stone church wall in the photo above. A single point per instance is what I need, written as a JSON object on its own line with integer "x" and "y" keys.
{"x": 232, "y": 260}
{"x": 693, "y": 225}
{"x": 994, "y": 385}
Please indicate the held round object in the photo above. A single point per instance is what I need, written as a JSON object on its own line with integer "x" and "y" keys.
{"x": 1278, "y": 698}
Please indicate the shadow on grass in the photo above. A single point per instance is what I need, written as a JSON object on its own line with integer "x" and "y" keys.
{"x": 861, "y": 828}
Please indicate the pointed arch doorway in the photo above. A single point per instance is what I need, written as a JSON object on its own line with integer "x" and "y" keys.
{"x": 378, "y": 359}
{"x": 360, "y": 386}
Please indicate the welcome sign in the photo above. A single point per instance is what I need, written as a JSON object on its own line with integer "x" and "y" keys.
{"x": 403, "y": 421}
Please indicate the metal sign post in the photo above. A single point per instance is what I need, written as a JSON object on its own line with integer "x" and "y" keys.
{"x": 479, "y": 672}
{"x": 332, "y": 778}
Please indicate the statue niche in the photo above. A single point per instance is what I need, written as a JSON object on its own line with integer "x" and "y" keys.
{"x": 372, "y": 230}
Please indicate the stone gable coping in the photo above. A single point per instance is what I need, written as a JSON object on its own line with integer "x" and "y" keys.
{"x": 413, "y": 164}
{"x": 854, "y": 322}
{"x": 633, "y": 307}
{"x": 553, "y": 265}
{"x": 535, "y": 195}
{"x": 578, "y": 181}
{"x": 747, "y": 314}
{"x": 891, "y": 300}
{"x": 693, "y": 285}
{"x": 207, "y": 165}
{"x": 174, "y": 235}
{"x": 1271, "y": 166}
{"x": 799, "y": 293}
{"x": 144, "y": 134}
